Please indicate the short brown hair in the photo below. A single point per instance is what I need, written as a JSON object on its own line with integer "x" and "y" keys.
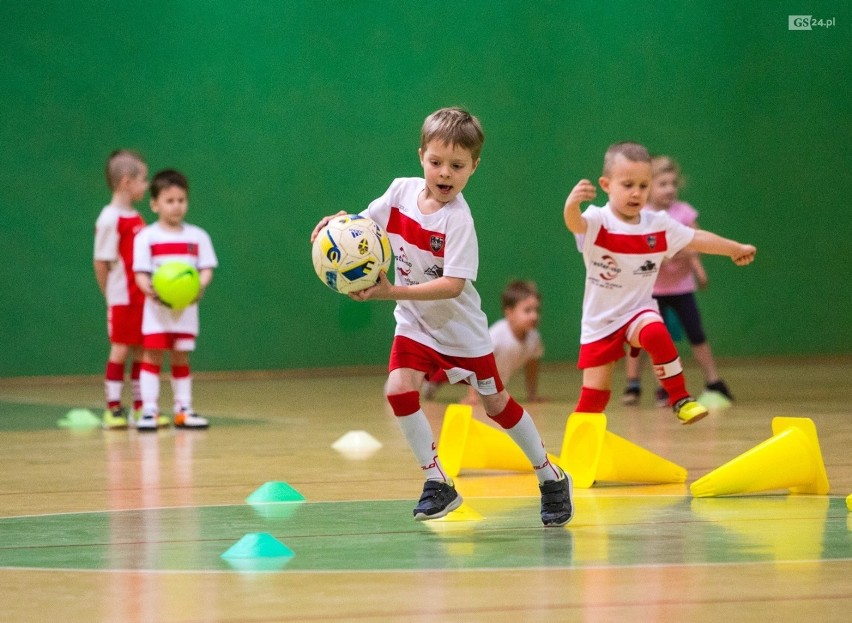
{"x": 517, "y": 291}
{"x": 453, "y": 126}
{"x": 166, "y": 179}
{"x": 121, "y": 163}
{"x": 631, "y": 151}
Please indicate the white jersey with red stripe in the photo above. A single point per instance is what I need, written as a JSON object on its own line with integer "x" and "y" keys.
{"x": 426, "y": 247}
{"x": 115, "y": 230}
{"x": 155, "y": 246}
{"x": 622, "y": 262}
{"x": 510, "y": 353}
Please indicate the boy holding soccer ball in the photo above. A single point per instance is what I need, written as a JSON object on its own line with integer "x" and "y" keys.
{"x": 170, "y": 239}
{"x": 622, "y": 247}
{"x": 115, "y": 229}
{"x": 440, "y": 324}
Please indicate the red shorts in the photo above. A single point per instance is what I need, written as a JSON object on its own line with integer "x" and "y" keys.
{"x": 610, "y": 348}
{"x": 482, "y": 371}
{"x": 181, "y": 342}
{"x": 124, "y": 324}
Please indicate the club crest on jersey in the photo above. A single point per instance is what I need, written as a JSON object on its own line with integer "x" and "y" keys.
{"x": 651, "y": 239}
{"x": 436, "y": 243}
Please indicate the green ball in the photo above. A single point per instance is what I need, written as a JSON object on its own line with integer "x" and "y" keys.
{"x": 176, "y": 283}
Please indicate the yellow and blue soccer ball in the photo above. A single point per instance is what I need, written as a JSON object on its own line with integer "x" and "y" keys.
{"x": 349, "y": 253}
{"x": 176, "y": 283}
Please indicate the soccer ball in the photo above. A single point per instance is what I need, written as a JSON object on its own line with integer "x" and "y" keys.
{"x": 176, "y": 283}
{"x": 349, "y": 252}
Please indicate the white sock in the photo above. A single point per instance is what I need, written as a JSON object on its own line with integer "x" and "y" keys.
{"x": 149, "y": 388}
{"x": 418, "y": 432}
{"x": 525, "y": 434}
{"x": 182, "y": 390}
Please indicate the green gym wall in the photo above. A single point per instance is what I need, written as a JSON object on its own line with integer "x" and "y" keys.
{"x": 281, "y": 112}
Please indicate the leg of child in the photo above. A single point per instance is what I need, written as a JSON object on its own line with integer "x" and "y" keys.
{"x": 402, "y": 393}
{"x": 652, "y": 336}
{"x": 439, "y": 496}
{"x": 557, "y": 505}
{"x": 181, "y": 381}
{"x": 149, "y": 386}
{"x": 114, "y": 375}
{"x": 515, "y": 420}
{"x": 594, "y": 396}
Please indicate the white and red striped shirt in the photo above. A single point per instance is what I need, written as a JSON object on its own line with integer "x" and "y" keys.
{"x": 426, "y": 247}
{"x": 155, "y": 246}
{"x": 115, "y": 230}
{"x": 622, "y": 262}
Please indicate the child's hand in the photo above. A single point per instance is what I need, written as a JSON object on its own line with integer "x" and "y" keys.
{"x": 323, "y": 222}
{"x": 744, "y": 255}
{"x": 381, "y": 291}
{"x": 583, "y": 191}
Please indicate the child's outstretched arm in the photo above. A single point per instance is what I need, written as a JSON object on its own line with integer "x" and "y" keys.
{"x": 574, "y": 221}
{"x": 708, "y": 242}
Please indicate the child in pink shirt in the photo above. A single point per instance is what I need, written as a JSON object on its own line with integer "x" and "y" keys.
{"x": 676, "y": 284}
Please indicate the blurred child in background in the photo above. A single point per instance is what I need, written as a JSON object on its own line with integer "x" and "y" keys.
{"x": 674, "y": 291}
{"x": 115, "y": 230}
{"x": 517, "y": 342}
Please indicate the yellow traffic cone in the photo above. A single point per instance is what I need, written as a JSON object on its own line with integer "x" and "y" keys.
{"x": 790, "y": 459}
{"x": 466, "y": 443}
{"x": 590, "y": 453}
{"x": 849, "y": 502}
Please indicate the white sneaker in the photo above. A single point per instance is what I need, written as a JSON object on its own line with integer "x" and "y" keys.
{"x": 147, "y": 422}
{"x": 190, "y": 419}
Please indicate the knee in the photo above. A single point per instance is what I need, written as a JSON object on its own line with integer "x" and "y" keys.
{"x": 495, "y": 403}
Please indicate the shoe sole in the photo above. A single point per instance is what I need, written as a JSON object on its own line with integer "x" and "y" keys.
{"x": 694, "y": 418}
{"x": 192, "y": 427}
{"x": 443, "y": 513}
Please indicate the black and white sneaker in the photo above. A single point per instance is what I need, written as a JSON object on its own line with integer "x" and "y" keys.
{"x": 148, "y": 422}
{"x": 438, "y": 499}
{"x": 557, "y": 501}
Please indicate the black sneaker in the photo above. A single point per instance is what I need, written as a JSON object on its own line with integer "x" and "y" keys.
{"x": 721, "y": 387}
{"x": 631, "y": 395}
{"x": 557, "y": 501}
{"x": 438, "y": 499}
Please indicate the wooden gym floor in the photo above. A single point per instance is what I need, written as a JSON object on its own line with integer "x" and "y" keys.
{"x": 120, "y": 526}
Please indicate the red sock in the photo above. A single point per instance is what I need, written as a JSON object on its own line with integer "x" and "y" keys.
{"x": 134, "y": 380}
{"x": 592, "y": 400}
{"x": 655, "y": 339}
{"x": 113, "y": 383}
{"x": 405, "y": 403}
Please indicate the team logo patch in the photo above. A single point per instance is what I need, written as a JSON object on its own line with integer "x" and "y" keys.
{"x": 652, "y": 240}
{"x": 436, "y": 243}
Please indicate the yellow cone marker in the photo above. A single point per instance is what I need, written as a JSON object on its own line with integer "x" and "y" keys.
{"x": 790, "y": 459}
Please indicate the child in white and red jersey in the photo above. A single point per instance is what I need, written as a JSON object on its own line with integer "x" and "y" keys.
{"x": 674, "y": 291}
{"x": 622, "y": 248}
{"x": 439, "y": 320}
{"x": 165, "y": 329}
{"x": 115, "y": 229}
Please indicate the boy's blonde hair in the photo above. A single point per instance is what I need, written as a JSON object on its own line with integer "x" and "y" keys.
{"x": 122, "y": 163}
{"x": 664, "y": 164}
{"x": 517, "y": 291}
{"x": 453, "y": 126}
{"x": 631, "y": 151}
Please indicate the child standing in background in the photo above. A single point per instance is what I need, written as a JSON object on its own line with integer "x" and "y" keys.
{"x": 517, "y": 342}
{"x": 679, "y": 278}
{"x": 165, "y": 329}
{"x": 115, "y": 230}
{"x": 622, "y": 248}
